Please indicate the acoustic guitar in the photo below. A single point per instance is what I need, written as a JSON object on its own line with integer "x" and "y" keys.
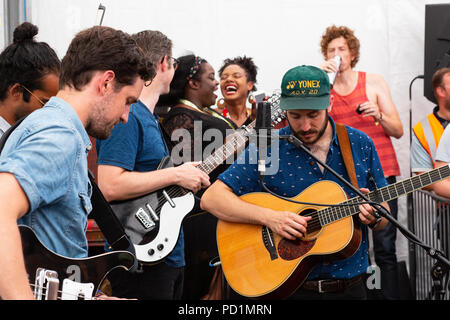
{"x": 259, "y": 263}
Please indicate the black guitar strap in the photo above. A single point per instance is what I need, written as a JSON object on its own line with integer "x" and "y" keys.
{"x": 8, "y": 133}
{"x": 107, "y": 220}
{"x": 101, "y": 212}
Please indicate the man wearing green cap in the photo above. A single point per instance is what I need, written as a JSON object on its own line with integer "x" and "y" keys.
{"x": 305, "y": 95}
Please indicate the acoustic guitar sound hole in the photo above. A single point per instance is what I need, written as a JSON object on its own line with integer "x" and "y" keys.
{"x": 314, "y": 226}
{"x": 293, "y": 249}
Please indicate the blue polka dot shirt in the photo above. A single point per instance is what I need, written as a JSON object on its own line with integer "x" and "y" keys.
{"x": 292, "y": 170}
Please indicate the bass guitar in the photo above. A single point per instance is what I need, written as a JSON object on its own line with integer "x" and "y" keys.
{"x": 153, "y": 221}
{"x": 54, "y": 277}
{"x": 259, "y": 263}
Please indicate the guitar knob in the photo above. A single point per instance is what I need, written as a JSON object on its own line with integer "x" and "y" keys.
{"x": 151, "y": 252}
{"x": 160, "y": 247}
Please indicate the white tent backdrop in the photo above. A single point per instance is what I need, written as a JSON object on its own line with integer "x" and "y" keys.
{"x": 278, "y": 34}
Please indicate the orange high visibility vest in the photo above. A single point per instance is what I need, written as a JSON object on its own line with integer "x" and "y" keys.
{"x": 429, "y": 131}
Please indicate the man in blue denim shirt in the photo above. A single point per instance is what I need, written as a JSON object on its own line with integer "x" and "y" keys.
{"x": 308, "y": 121}
{"x": 43, "y": 166}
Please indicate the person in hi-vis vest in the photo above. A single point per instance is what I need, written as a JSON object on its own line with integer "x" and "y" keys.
{"x": 428, "y": 131}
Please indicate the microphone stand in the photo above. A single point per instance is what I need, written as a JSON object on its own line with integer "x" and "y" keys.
{"x": 441, "y": 267}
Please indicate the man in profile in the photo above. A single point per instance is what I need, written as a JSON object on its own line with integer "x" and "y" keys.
{"x": 44, "y": 180}
{"x": 427, "y": 132}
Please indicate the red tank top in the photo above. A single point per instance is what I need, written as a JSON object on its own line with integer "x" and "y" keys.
{"x": 344, "y": 111}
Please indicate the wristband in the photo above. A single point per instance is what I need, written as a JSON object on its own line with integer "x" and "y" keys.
{"x": 373, "y": 225}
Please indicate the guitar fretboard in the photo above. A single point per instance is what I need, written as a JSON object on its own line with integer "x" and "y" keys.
{"x": 237, "y": 141}
{"x": 393, "y": 191}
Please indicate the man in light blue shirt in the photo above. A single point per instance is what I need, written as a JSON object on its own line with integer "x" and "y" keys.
{"x": 43, "y": 166}
{"x": 52, "y": 173}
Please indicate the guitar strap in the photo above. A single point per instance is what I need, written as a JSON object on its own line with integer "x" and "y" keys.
{"x": 107, "y": 220}
{"x": 8, "y": 133}
{"x": 101, "y": 212}
{"x": 346, "y": 151}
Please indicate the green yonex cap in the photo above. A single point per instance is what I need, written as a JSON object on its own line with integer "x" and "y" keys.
{"x": 305, "y": 87}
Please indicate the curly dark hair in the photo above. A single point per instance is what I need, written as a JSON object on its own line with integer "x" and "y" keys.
{"x": 181, "y": 79}
{"x": 26, "y": 61}
{"x": 333, "y": 32}
{"x": 102, "y": 48}
{"x": 245, "y": 63}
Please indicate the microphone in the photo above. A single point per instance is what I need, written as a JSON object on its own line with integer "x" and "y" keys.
{"x": 332, "y": 75}
{"x": 263, "y": 127}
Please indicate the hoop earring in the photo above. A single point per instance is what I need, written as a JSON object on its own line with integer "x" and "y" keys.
{"x": 220, "y": 103}
{"x": 251, "y": 99}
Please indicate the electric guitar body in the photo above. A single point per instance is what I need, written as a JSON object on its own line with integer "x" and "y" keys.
{"x": 91, "y": 270}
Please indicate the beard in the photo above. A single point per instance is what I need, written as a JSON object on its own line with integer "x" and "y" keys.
{"x": 301, "y": 134}
{"x": 98, "y": 125}
{"x": 98, "y": 130}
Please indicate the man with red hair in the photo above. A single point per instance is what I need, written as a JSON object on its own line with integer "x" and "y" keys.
{"x": 363, "y": 101}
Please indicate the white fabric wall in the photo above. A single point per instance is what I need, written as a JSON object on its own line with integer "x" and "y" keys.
{"x": 278, "y": 34}
{"x": 2, "y": 26}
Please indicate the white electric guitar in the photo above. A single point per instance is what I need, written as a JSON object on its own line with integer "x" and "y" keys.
{"x": 153, "y": 221}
